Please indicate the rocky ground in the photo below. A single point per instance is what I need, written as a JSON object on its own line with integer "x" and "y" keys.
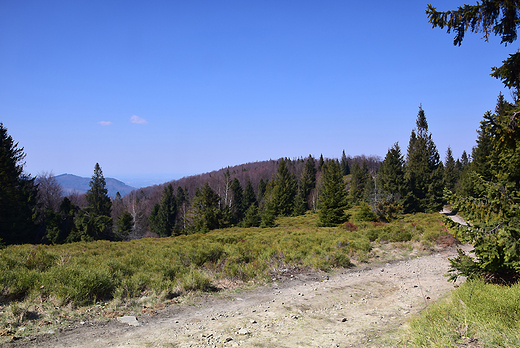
{"x": 360, "y": 307}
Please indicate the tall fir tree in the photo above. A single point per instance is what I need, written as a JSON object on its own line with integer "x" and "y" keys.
{"x": 333, "y": 198}
{"x": 284, "y": 190}
{"x": 391, "y": 174}
{"x": 237, "y": 201}
{"x": 206, "y": 212}
{"x": 95, "y": 221}
{"x": 345, "y": 169}
{"x": 450, "y": 171}
{"x": 321, "y": 162}
{"x": 17, "y": 194}
{"x": 361, "y": 182}
{"x": 164, "y": 215}
{"x": 307, "y": 180}
{"x": 99, "y": 202}
{"x": 423, "y": 170}
{"x": 249, "y": 195}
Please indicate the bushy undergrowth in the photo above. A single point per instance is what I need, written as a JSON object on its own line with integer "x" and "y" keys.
{"x": 476, "y": 314}
{"x": 84, "y": 272}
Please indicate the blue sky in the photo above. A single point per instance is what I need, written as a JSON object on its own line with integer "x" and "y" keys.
{"x": 163, "y": 89}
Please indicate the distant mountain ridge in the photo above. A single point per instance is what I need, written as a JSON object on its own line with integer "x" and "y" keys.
{"x": 72, "y": 183}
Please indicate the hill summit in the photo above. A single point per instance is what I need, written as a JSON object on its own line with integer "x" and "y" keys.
{"x": 72, "y": 183}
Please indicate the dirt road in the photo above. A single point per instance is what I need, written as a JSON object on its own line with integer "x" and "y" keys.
{"x": 359, "y": 307}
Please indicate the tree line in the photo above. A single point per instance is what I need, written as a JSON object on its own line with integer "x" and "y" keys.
{"x": 250, "y": 195}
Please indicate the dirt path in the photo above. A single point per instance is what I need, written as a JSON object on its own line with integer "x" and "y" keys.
{"x": 353, "y": 308}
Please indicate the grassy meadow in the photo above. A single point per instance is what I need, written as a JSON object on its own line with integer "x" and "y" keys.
{"x": 57, "y": 284}
{"x": 474, "y": 315}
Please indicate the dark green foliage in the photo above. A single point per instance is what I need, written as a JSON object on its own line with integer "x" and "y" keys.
{"x": 237, "y": 201}
{"x": 489, "y": 16}
{"x": 300, "y": 204}
{"x": 284, "y": 190}
{"x": 182, "y": 208}
{"x": 307, "y": 182}
{"x": 365, "y": 213}
{"x": 164, "y": 215}
{"x": 99, "y": 202}
{"x": 249, "y": 195}
{"x": 268, "y": 215}
{"x": 361, "y": 183}
{"x": 124, "y": 224}
{"x": 17, "y": 194}
{"x": 482, "y": 159}
{"x": 251, "y": 217}
{"x": 391, "y": 174}
{"x": 450, "y": 171}
{"x": 490, "y": 199}
{"x": 423, "y": 174}
{"x": 95, "y": 221}
{"x": 262, "y": 186}
{"x": 206, "y": 212}
{"x": 59, "y": 225}
{"x": 321, "y": 162}
{"x": 333, "y": 196}
{"x": 345, "y": 169}
{"x": 89, "y": 227}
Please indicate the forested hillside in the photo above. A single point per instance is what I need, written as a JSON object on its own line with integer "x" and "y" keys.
{"x": 248, "y": 195}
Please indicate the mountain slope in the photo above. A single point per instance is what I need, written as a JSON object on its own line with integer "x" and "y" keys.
{"x": 73, "y": 183}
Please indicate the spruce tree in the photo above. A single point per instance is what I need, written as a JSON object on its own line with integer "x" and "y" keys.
{"x": 249, "y": 195}
{"x": 361, "y": 182}
{"x": 206, "y": 213}
{"x": 450, "y": 171}
{"x": 237, "y": 201}
{"x": 391, "y": 174}
{"x": 321, "y": 162}
{"x": 95, "y": 221}
{"x": 333, "y": 198}
{"x": 345, "y": 169}
{"x": 164, "y": 215}
{"x": 284, "y": 190}
{"x": 99, "y": 203}
{"x": 17, "y": 194}
{"x": 307, "y": 180}
{"x": 423, "y": 170}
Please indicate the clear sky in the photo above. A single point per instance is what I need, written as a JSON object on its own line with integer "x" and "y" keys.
{"x": 172, "y": 88}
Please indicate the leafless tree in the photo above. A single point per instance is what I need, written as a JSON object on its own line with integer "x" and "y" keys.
{"x": 49, "y": 191}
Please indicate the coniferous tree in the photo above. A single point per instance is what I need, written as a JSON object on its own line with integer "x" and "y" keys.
{"x": 345, "y": 169}
{"x": 333, "y": 196}
{"x": 320, "y": 163}
{"x": 284, "y": 190}
{"x": 17, "y": 194}
{"x": 262, "y": 186}
{"x": 464, "y": 160}
{"x": 164, "y": 215}
{"x": 206, "y": 213}
{"x": 249, "y": 195}
{"x": 124, "y": 224}
{"x": 361, "y": 182}
{"x": 450, "y": 171}
{"x": 95, "y": 221}
{"x": 391, "y": 174}
{"x": 237, "y": 201}
{"x": 182, "y": 207}
{"x": 307, "y": 180}
{"x": 252, "y": 217}
{"x": 99, "y": 203}
{"x": 423, "y": 170}
{"x": 59, "y": 225}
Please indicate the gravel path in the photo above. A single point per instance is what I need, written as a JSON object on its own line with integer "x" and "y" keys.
{"x": 351, "y": 308}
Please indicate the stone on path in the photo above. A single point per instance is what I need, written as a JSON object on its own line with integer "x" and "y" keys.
{"x": 128, "y": 319}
